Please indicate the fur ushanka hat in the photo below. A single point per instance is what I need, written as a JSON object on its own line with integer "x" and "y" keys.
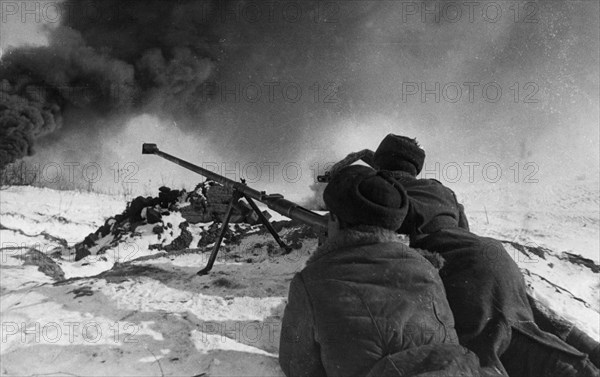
{"x": 359, "y": 195}
{"x": 402, "y": 153}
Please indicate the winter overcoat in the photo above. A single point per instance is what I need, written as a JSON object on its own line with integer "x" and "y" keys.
{"x": 484, "y": 286}
{"x": 365, "y": 299}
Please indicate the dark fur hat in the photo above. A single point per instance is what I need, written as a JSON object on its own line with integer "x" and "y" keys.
{"x": 399, "y": 153}
{"x": 359, "y": 195}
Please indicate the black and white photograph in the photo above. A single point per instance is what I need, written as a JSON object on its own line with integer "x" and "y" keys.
{"x": 300, "y": 188}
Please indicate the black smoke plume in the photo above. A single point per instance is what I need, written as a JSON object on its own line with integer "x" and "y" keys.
{"x": 26, "y": 114}
{"x": 108, "y": 59}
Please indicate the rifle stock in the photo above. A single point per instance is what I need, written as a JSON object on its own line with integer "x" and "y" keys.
{"x": 276, "y": 202}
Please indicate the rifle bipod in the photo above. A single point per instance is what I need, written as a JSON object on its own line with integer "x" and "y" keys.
{"x": 237, "y": 195}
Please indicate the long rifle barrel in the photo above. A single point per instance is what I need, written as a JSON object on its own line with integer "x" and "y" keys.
{"x": 276, "y": 202}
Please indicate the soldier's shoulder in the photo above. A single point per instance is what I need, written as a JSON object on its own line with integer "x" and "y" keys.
{"x": 434, "y": 184}
{"x": 429, "y": 182}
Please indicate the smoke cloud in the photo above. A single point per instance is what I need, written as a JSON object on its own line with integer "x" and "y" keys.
{"x": 26, "y": 115}
{"x": 125, "y": 59}
{"x": 310, "y": 82}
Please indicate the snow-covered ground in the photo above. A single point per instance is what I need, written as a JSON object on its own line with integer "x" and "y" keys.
{"x": 135, "y": 311}
{"x": 559, "y": 228}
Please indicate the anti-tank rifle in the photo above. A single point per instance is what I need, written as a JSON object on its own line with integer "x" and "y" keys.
{"x": 276, "y": 202}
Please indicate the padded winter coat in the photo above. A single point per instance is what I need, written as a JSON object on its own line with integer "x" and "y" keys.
{"x": 365, "y": 301}
{"x": 432, "y": 206}
{"x": 484, "y": 286}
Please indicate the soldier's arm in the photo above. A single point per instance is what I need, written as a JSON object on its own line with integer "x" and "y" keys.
{"x": 299, "y": 353}
{"x": 366, "y": 155}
